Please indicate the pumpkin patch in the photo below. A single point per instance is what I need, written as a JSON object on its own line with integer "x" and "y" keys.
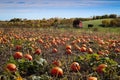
{"x": 48, "y": 54}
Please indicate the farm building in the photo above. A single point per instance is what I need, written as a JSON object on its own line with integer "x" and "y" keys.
{"x": 77, "y": 23}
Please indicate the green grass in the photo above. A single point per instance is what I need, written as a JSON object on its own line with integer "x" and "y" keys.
{"x": 96, "y": 24}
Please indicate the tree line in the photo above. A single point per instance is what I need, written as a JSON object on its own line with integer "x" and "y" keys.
{"x": 57, "y": 22}
{"x": 106, "y": 16}
{"x": 52, "y": 22}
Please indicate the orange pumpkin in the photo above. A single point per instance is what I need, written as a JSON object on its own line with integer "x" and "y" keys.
{"x": 54, "y": 50}
{"x": 68, "y": 46}
{"x": 28, "y": 56}
{"x": 117, "y": 50}
{"x": 41, "y": 41}
{"x": 18, "y": 55}
{"x": 56, "y": 71}
{"x": 18, "y": 47}
{"x": 11, "y": 67}
{"x": 75, "y": 66}
{"x": 38, "y": 51}
{"x": 92, "y": 78}
{"x": 90, "y": 50}
{"x": 68, "y": 51}
{"x": 57, "y": 63}
{"x": 83, "y": 49}
{"x": 101, "y": 67}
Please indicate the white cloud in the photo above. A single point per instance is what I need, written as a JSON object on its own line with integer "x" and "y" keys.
{"x": 53, "y": 3}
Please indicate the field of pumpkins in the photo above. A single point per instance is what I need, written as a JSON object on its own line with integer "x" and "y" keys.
{"x": 54, "y": 54}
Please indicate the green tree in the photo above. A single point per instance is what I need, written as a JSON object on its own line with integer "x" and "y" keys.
{"x": 16, "y": 20}
{"x": 112, "y": 16}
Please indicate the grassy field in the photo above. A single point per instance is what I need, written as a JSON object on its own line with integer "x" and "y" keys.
{"x": 96, "y": 24}
{"x": 95, "y": 28}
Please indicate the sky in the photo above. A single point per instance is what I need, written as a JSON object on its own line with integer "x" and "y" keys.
{"x": 39, "y": 9}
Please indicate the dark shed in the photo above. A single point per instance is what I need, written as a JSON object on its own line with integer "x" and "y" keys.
{"x": 77, "y": 23}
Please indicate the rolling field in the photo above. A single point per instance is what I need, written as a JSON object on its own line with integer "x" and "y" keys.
{"x": 96, "y": 24}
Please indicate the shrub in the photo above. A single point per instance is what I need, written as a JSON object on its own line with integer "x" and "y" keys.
{"x": 106, "y": 23}
{"x": 115, "y": 22}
